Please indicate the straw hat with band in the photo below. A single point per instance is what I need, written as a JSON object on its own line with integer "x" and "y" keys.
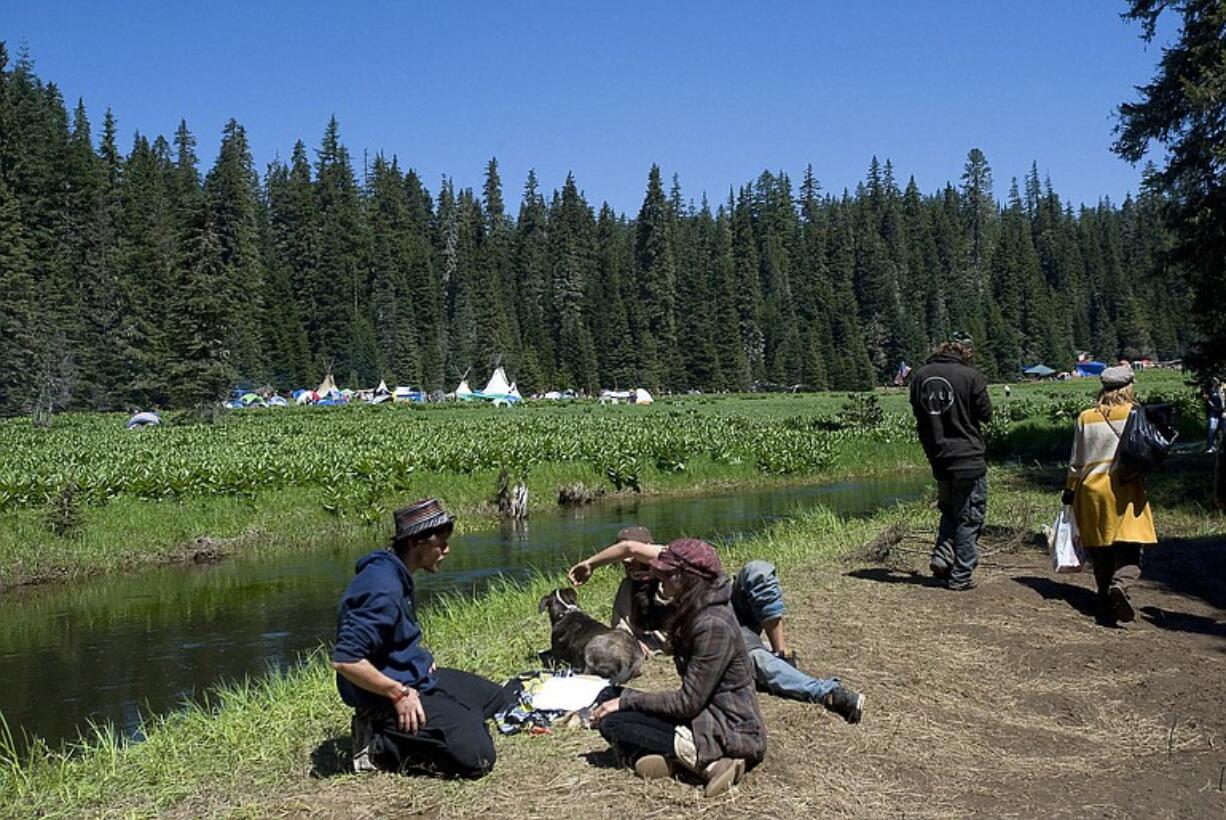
{"x": 421, "y": 519}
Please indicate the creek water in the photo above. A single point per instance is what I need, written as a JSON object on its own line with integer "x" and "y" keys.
{"x": 112, "y": 650}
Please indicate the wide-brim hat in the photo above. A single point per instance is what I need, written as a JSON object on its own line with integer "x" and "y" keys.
{"x": 689, "y": 555}
{"x": 420, "y": 518}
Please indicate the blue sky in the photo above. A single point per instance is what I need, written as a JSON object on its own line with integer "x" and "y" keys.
{"x": 714, "y": 92}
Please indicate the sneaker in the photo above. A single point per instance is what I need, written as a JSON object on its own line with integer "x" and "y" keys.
{"x": 722, "y": 775}
{"x": 1121, "y": 607}
{"x": 845, "y": 703}
{"x": 653, "y": 767}
{"x": 361, "y": 732}
{"x": 961, "y": 586}
{"x": 939, "y": 569}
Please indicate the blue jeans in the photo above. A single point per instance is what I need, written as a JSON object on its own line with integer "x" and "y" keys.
{"x": 757, "y": 598}
{"x": 1214, "y": 421}
{"x": 964, "y": 506}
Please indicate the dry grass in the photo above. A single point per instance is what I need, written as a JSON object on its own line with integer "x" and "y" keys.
{"x": 995, "y": 702}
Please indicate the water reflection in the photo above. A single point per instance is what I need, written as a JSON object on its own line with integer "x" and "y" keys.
{"x": 106, "y": 650}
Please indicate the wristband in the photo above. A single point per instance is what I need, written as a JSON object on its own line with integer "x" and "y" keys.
{"x": 404, "y": 690}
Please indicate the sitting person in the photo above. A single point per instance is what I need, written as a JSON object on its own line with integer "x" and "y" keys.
{"x": 757, "y": 600}
{"x": 408, "y": 715}
{"x": 711, "y": 725}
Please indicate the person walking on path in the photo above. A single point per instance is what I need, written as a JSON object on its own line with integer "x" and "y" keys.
{"x": 1114, "y": 519}
{"x": 1215, "y": 410}
{"x": 640, "y": 608}
{"x": 711, "y": 725}
{"x": 950, "y": 401}
{"x": 409, "y": 715}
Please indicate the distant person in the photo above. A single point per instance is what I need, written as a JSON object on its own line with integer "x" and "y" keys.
{"x": 711, "y": 724}
{"x": 408, "y": 715}
{"x": 641, "y": 608}
{"x": 950, "y": 401}
{"x": 1114, "y": 519}
{"x": 1215, "y": 409}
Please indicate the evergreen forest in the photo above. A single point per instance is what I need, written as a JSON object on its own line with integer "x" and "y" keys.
{"x": 133, "y": 276}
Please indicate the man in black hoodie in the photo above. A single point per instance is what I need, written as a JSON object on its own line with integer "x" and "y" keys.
{"x": 950, "y": 401}
{"x": 409, "y": 715}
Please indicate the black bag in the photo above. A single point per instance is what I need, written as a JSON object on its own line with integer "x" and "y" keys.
{"x": 1148, "y": 436}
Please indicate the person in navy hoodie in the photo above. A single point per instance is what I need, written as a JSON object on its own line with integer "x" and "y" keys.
{"x": 409, "y": 716}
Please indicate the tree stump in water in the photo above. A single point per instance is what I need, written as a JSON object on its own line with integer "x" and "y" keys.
{"x": 512, "y": 500}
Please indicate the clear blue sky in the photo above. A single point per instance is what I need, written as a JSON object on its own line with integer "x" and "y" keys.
{"x": 715, "y": 92}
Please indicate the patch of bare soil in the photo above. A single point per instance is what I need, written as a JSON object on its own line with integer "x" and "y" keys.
{"x": 1004, "y": 701}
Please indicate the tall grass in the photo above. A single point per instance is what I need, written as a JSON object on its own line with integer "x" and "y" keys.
{"x": 255, "y": 734}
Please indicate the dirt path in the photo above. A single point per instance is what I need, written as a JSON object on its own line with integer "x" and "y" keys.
{"x": 1006, "y": 701}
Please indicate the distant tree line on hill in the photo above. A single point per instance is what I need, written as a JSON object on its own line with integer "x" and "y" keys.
{"x": 132, "y": 280}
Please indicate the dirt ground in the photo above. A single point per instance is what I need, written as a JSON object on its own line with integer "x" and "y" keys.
{"x": 1004, "y": 701}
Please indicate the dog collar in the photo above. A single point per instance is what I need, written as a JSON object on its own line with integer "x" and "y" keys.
{"x": 568, "y": 607}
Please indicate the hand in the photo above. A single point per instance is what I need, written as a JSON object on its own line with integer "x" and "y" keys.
{"x": 606, "y": 708}
{"x": 579, "y": 573}
{"x": 410, "y": 715}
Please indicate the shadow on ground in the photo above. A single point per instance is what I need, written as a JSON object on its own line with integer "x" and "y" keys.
{"x": 885, "y": 575}
{"x": 1164, "y": 618}
{"x": 1195, "y": 567}
{"x": 1078, "y": 597}
{"x": 332, "y": 757}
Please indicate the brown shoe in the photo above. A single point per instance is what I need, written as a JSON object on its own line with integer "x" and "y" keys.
{"x": 722, "y": 775}
{"x": 1121, "y": 607}
{"x": 653, "y": 767}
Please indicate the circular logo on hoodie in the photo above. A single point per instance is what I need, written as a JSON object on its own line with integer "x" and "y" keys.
{"x": 936, "y": 395}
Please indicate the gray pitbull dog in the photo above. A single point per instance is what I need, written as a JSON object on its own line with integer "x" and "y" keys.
{"x": 587, "y": 645}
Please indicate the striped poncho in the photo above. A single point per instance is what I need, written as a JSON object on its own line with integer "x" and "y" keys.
{"x": 1106, "y": 509}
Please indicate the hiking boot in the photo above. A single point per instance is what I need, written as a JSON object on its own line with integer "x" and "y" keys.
{"x": 1121, "y": 607}
{"x": 361, "y": 732}
{"x": 722, "y": 775}
{"x": 845, "y": 703}
{"x": 653, "y": 767}
{"x": 961, "y": 586}
{"x": 939, "y": 569}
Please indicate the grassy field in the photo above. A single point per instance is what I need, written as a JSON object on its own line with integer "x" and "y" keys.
{"x": 89, "y": 497}
{"x": 275, "y": 746}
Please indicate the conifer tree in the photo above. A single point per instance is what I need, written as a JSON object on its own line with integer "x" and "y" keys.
{"x": 19, "y": 316}
{"x": 656, "y": 275}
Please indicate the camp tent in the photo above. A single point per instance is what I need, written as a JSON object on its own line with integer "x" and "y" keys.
{"x": 327, "y": 387}
{"x": 641, "y": 396}
{"x": 1041, "y": 371}
{"x": 143, "y": 420}
{"x": 382, "y": 390}
{"x": 306, "y": 397}
{"x": 277, "y": 401}
{"x": 1087, "y": 369}
{"x": 513, "y": 393}
{"x": 463, "y": 391}
{"x": 251, "y": 400}
{"x": 497, "y": 385}
{"x": 402, "y": 394}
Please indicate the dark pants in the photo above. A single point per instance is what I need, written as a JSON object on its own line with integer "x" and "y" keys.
{"x": 1117, "y": 565}
{"x": 454, "y": 741}
{"x": 634, "y": 734}
{"x": 963, "y": 503}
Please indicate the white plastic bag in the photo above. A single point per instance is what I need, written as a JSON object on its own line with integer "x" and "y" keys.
{"x": 1065, "y": 555}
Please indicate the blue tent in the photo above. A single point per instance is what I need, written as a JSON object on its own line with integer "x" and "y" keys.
{"x": 1087, "y": 369}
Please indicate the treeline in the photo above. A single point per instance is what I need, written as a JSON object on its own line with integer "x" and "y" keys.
{"x": 134, "y": 279}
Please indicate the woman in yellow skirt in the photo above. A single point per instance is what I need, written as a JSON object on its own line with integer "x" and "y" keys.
{"x": 1113, "y": 518}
